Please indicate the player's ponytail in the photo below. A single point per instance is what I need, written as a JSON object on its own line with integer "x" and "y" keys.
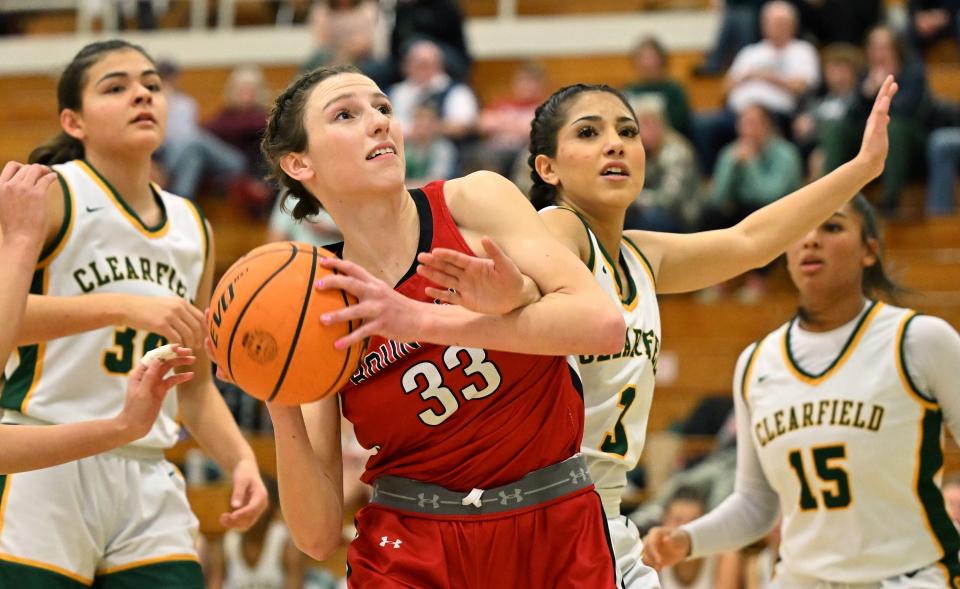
{"x": 544, "y": 130}
{"x": 63, "y": 147}
{"x": 876, "y": 283}
{"x": 286, "y": 133}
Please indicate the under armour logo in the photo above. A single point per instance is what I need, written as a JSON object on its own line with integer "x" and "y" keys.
{"x": 433, "y": 501}
{"x": 578, "y": 475}
{"x": 396, "y": 543}
{"x": 516, "y": 496}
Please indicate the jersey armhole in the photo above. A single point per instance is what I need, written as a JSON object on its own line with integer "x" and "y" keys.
{"x": 901, "y": 360}
{"x": 748, "y": 371}
{"x": 54, "y": 247}
{"x": 202, "y": 221}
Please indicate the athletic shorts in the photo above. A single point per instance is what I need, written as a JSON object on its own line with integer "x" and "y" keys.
{"x": 561, "y": 544}
{"x": 111, "y": 520}
{"x": 633, "y": 574}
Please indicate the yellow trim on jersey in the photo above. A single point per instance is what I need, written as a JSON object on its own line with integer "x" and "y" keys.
{"x": 916, "y": 482}
{"x": 71, "y": 214}
{"x": 748, "y": 370}
{"x": 643, "y": 259}
{"x": 902, "y": 369}
{"x": 5, "y": 493}
{"x": 839, "y": 362}
{"x": 203, "y": 229}
{"x": 41, "y": 352}
{"x": 135, "y": 221}
{"x": 47, "y": 567}
{"x": 627, "y": 305}
{"x": 148, "y": 562}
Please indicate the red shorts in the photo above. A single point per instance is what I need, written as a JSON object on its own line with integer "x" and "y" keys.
{"x": 562, "y": 544}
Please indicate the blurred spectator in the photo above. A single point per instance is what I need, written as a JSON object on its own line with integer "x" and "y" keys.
{"x": 670, "y": 200}
{"x": 943, "y": 161}
{"x": 931, "y": 21}
{"x": 189, "y": 152}
{"x": 753, "y": 171}
{"x": 343, "y": 32}
{"x": 243, "y": 118}
{"x": 720, "y": 571}
{"x": 426, "y": 79}
{"x": 263, "y": 557}
{"x": 738, "y": 28}
{"x": 504, "y": 125}
{"x": 838, "y": 21}
{"x": 951, "y": 495}
{"x": 774, "y": 73}
{"x": 317, "y": 230}
{"x": 887, "y": 54}
{"x": 649, "y": 60}
{"x": 823, "y": 116}
{"x": 429, "y": 155}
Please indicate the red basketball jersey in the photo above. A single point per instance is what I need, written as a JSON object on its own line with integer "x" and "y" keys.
{"x": 457, "y": 417}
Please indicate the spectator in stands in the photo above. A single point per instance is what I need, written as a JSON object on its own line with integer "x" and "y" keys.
{"x": 504, "y": 125}
{"x": 190, "y": 152}
{"x": 838, "y": 21}
{"x": 241, "y": 123}
{"x": 439, "y": 21}
{"x": 951, "y": 496}
{"x": 738, "y": 28}
{"x": 430, "y": 156}
{"x": 931, "y": 21}
{"x": 887, "y": 54}
{"x": 263, "y": 557}
{"x": 426, "y": 79}
{"x": 318, "y": 229}
{"x": 752, "y": 172}
{"x": 721, "y": 571}
{"x": 824, "y": 116}
{"x": 343, "y": 32}
{"x": 943, "y": 161}
{"x": 649, "y": 60}
{"x": 775, "y": 73}
{"x": 670, "y": 199}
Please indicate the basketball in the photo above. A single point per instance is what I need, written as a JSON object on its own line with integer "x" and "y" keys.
{"x": 264, "y": 325}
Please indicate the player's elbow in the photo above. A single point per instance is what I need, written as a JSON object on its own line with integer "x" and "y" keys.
{"x": 608, "y": 331}
{"x": 318, "y": 545}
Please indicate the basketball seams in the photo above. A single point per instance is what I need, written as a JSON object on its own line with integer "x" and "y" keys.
{"x": 296, "y": 334}
{"x": 236, "y": 326}
{"x": 338, "y": 383}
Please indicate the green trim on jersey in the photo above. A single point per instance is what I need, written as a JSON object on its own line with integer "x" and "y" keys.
{"x": 592, "y": 261}
{"x": 64, "y": 225}
{"x": 21, "y": 576}
{"x": 902, "y": 352}
{"x": 748, "y": 369}
{"x": 643, "y": 258}
{"x": 182, "y": 574}
{"x": 18, "y": 385}
{"x": 126, "y": 207}
{"x": 853, "y": 337}
{"x": 931, "y": 461}
{"x": 203, "y": 227}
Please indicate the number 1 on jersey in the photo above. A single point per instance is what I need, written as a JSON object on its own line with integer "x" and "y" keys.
{"x": 616, "y": 441}
{"x": 836, "y": 498}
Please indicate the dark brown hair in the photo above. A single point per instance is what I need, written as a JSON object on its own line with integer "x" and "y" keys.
{"x": 875, "y": 282}
{"x": 286, "y": 133}
{"x": 64, "y": 148}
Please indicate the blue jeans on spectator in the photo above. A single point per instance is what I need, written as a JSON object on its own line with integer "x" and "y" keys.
{"x": 943, "y": 161}
{"x": 189, "y": 159}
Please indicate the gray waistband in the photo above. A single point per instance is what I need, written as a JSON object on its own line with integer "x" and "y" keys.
{"x": 537, "y": 487}
{"x": 135, "y": 452}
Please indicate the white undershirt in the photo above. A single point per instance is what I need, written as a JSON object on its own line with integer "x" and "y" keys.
{"x": 932, "y": 358}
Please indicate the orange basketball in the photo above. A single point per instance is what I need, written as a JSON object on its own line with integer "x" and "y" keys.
{"x": 264, "y": 323}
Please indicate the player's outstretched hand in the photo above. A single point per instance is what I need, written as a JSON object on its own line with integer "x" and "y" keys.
{"x": 23, "y": 206}
{"x": 875, "y": 145}
{"x": 492, "y": 285}
{"x": 664, "y": 546}
{"x": 147, "y": 386}
{"x": 172, "y": 317}
{"x": 382, "y": 310}
{"x": 249, "y": 497}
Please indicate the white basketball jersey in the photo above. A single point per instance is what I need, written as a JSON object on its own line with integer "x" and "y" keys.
{"x": 267, "y": 573}
{"x": 853, "y": 454}
{"x": 618, "y": 388}
{"x": 103, "y": 247}
{"x": 706, "y": 577}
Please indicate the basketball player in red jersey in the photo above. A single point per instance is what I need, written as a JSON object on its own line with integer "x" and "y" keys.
{"x": 475, "y": 415}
